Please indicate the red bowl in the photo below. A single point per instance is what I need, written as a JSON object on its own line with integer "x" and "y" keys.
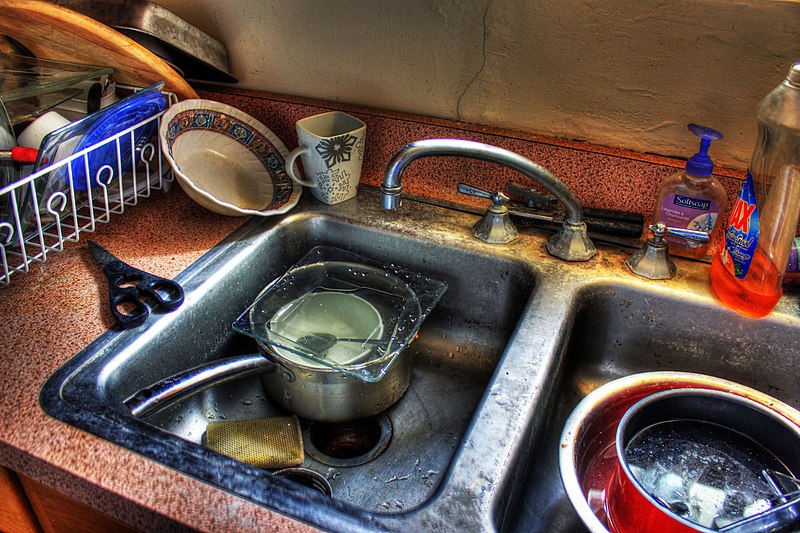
{"x": 743, "y": 426}
{"x": 587, "y": 454}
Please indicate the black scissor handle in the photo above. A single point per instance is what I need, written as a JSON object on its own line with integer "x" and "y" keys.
{"x": 130, "y": 290}
{"x": 167, "y": 293}
{"x": 128, "y": 309}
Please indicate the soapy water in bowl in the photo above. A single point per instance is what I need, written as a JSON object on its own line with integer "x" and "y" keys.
{"x": 706, "y": 473}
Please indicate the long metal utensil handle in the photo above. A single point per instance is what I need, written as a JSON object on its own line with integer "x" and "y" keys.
{"x": 180, "y": 386}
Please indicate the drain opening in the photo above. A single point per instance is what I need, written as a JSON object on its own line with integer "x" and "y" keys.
{"x": 348, "y": 443}
{"x": 307, "y": 478}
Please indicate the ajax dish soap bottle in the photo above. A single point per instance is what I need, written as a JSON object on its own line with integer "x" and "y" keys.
{"x": 747, "y": 273}
{"x": 693, "y": 198}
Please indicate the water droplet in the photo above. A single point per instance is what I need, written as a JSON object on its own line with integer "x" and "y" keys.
{"x": 247, "y": 401}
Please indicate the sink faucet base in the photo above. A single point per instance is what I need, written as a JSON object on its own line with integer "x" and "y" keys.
{"x": 571, "y": 243}
{"x": 495, "y": 228}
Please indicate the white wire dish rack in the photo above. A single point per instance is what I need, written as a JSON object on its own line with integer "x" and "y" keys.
{"x": 36, "y": 221}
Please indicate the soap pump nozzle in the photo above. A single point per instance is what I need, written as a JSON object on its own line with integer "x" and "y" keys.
{"x": 700, "y": 164}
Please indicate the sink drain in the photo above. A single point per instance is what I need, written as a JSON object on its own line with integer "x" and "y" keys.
{"x": 348, "y": 443}
{"x": 307, "y": 478}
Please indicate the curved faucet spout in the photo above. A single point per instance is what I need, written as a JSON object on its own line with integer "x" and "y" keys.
{"x": 392, "y": 186}
{"x": 570, "y": 243}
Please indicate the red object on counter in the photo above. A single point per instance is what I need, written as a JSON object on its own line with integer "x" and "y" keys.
{"x": 20, "y": 154}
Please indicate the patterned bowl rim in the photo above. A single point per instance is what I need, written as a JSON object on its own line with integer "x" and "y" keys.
{"x": 279, "y": 177}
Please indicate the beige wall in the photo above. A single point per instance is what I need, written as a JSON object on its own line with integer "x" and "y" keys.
{"x": 621, "y": 73}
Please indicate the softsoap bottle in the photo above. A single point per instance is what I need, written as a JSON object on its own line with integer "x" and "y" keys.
{"x": 693, "y": 199}
{"x": 747, "y": 274}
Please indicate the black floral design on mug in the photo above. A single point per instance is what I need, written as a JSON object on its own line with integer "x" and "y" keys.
{"x": 336, "y": 149}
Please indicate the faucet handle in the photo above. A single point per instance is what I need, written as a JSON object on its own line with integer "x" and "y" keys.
{"x": 496, "y": 226}
{"x": 661, "y": 230}
{"x": 499, "y": 200}
{"x": 652, "y": 261}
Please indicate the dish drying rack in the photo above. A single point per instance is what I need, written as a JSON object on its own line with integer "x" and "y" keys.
{"x": 31, "y": 229}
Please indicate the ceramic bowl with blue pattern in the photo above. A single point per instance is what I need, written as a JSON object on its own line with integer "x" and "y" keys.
{"x": 226, "y": 160}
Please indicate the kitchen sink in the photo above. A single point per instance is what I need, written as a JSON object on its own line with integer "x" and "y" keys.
{"x": 389, "y": 464}
{"x": 514, "y": 344}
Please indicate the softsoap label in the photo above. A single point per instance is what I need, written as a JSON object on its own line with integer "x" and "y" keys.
{"x": 741, "y": 237}
{"x": 691, "y": 203}
{"x": 681, "y": 211}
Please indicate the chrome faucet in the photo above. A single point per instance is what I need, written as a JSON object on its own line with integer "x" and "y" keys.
{"x": 570, "y": 243}
{"x": 652, "y": 260}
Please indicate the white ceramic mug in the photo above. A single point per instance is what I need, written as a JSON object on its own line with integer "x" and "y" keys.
{"x": 332, "y": 150}
{"x": 36, "y": 131}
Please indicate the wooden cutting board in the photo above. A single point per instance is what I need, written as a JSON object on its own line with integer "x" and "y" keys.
{"x": 54, "y": 32}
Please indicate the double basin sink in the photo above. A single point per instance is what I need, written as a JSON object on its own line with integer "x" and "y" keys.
{"x": 518, "y": 339}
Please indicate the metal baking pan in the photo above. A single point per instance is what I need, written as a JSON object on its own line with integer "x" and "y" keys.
{"x": 193, "y": 53}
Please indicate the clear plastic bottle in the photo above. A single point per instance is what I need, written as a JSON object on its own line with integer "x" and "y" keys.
{"x": 693, "y": 198}
{"x": 747, "y": 273}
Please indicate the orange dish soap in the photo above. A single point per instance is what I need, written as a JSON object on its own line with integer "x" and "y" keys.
{"x": 747, "y": 274}
{"x": 693, "y": 199}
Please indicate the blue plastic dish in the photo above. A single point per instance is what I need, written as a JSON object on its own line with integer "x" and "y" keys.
{"x": 80, "y": 134}
{"x": 129, "y": 113}
{"x": 52, "y": 148}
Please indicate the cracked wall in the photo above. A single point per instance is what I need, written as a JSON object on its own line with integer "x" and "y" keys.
{"x": 612, "y": 72}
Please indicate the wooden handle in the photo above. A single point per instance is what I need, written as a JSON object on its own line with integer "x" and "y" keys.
{"x": 54, "y": 32}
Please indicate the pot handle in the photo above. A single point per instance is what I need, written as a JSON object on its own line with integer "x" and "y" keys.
{"x": 180, "y": 386}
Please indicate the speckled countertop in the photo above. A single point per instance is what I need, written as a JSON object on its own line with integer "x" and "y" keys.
{"x": 52, "y": 312}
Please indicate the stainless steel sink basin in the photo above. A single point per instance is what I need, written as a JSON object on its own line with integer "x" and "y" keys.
{"x": 392, "y": 464}
{"x": 621, "y": 329}
{"x": 518, "y": 339}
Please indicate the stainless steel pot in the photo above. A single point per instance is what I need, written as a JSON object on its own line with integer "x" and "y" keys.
{"x": 327, "y": 395}
{"x": 313, "y": 392}
{"x": 315, "y": 308}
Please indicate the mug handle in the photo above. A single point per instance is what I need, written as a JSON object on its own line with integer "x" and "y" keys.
{"x": 290, "y": 165}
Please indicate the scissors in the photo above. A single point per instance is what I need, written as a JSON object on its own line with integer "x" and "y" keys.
{"x": 133, "y": 292}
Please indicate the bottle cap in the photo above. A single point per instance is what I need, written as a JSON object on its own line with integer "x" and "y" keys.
{"x": 700, "y": 164}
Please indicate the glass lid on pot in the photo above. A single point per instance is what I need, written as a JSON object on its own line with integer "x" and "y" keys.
{"x": 336, "y": 309}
